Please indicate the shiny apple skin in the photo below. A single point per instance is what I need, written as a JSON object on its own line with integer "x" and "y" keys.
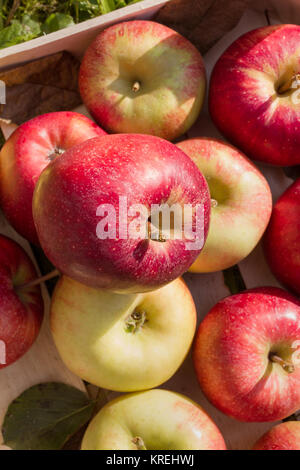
{"x": 282, "y": 238}
{"x": 284, "y": 436}
{"x": 243, "y": 100}
{"x": 21, "y": 311}
{"x": 231, "y": 353}
{"x": 145, "y": 169}
{"x": 25, "y": 155}
{"x": 168, "y": 67}
{"x": 90, "y": 332}
{"x": 244, "y": 203}
{"x": 163, "y": 419}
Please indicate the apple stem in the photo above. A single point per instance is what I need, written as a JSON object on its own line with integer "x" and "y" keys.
{"x": 213, "y": 202}
{"x": 135, "y": 321}
{"x": 289, "y": 84}
{"x": 136, "y": 86}
{"x": 160, "y": 237}
{"x": 139, "y": 443}
{"x": 286, "y": 365}
{"x": 39, "y": 280}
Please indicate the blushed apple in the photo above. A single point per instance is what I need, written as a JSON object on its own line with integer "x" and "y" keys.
{"x": 123, "y": 342}
{"x": 83, "y": 199}
{"x": 27, "y": 152}
{"x": 254, "y": 96}
{"x": 142, "y": 77}
{"x": 21, "y": 305}
{"x": 155, "y": 419}
{"x": 284, "y": 436}
{"x": 241, "y": 203}
{"x": 282, "y": 238}
{"x": 246, "y": 357}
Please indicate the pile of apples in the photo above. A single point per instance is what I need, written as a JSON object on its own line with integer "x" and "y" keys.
{"x": 121, "y": 317}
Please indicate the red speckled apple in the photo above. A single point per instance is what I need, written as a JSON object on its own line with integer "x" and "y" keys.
{"x": 145, "y": 170}
{"x": 284, "y": 436}
{"x": 241, "y": 203}
{"x": 142, "y": 77}
{"x": 21, "y": 306}
{"x": 246, "y": 356}
{"x": 254, "y": 94}
{"x": 282, "y": 238}
{"x": 27, "y": 152}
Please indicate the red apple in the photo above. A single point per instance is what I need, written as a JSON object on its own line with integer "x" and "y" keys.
{"x": 27, "y": 152}
{"x": 241, "y": 203}
{"x": 87, "y": 182}
{"x": 282, "y": 238}
{"x": 21, "y": 305}
{"x": 284, "y": 436}
{"x": 254, "y": 95}
{"x": 246, "y": 356}
{"x": 142, "y": 77}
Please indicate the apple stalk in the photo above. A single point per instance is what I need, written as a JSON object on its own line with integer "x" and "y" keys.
{"x": 286, "y": 365}
{"x": 39, "y": 280}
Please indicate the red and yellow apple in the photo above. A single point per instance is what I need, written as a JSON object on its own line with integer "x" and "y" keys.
{"x": 142, "y": 77}
{"x": 284, "y": 436}
{"x": 102, "y": 185}
{"x": 21, "y": 305}
{"x": 27, "y": 152}
{"x": 246, "y": 357}
{"x": 254, "y": 96}
{"x": 241, "y": 203}
{"x": 125, "y": 342}
{"x": 152, "y": 420}
{"x": 282, "y": 238}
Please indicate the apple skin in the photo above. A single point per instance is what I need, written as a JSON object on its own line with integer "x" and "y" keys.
{"x": 145, "y": 169}
{"x": 231, "y": 355}
{"x": 21, "y": 310}
{"x": 282, "y": 238}
{"x": 162, "y": 419}
{"x": 244, "y": 101}
{"x": 243, "y": 198}
{"x": 168, "y": 68}
{"x": 284, "y": 436}
{"x": 27, "y": 152}
{"x": 89, "y": 327}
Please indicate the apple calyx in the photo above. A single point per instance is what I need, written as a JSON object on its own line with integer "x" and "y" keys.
{"x": 139, "y": 443}
{"x": 56, "y": 152}
{"x": 136, "y": 86}
{"x": 292, "y": 84}
{"x": 286, "y": 365}
{"x": 39, "y": 280}
{"x": 135, "y": 321}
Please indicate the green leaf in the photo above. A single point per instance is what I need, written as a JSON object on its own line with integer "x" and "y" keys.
{"x": 107, "y": 6}
{"x": 19, "y": 32}
{"x": 57, "y": 21}
{"x": 234, "y": 280}
{"x": 45, "y": 416}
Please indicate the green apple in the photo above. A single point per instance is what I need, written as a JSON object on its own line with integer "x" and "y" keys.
{"x": 152, "y": 420}
{"x": 126, "y": 342}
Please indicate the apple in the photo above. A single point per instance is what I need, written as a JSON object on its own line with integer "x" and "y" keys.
{"x": 27, "y": 152}
{"x": 246, "y": 357}
{"x": 143, "y": 77}
{"x": 87, "y": 202}
{"x": 254, "y": 96}
{"x": 282, "y": 238}
{"x": 284, "y": 436}
{"x": 150, "y": 420}
{"x": 123, "y": 342}
{"x": 21, "y": 305}
{"x": 241, "y": 203}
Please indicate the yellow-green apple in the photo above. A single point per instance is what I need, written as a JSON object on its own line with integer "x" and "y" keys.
{"x": 122, "y": 342}
{"x": 27, "y": 152}
{"x": 142, "y": 77}
{"x": 21, "y": 304}
{"x": 282, "y": 238}
{"x": 254, "y": 95}
{"x": 246, "y": 355}
{"x": 284, "y": 436}
{"x": 152, "y": 420}
{"x": 89, "y": 202}
{"x": 241, "y": 203}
